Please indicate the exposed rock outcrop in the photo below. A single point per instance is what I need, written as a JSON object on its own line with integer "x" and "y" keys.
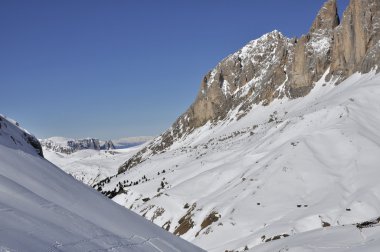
{"x": 274, "y": 66}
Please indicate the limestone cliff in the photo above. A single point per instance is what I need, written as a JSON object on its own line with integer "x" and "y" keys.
{"x": 356, "y": 41}
{"x": 274, "y": 66}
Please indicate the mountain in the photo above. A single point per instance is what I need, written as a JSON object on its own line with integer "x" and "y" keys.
{"x": 44, "y": 209}
{"x": 69, "y": 146}
{"x": 280, "y": 144}
{"x": 275, "y": 67}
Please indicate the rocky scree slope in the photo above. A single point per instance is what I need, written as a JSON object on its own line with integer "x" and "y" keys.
{"x": 275, "y": 66}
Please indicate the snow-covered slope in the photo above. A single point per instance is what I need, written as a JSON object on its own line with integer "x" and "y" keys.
{"x": 90, "y": 166}
{"x": 349, "y": 238}
{"x": 282, "y": 170}
{"x": 44, "y": 209}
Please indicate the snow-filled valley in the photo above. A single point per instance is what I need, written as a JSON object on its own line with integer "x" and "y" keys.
{"x": 295, "y": 166}
{"x": 44, "y": 209}
{"x": 90, "y": 166}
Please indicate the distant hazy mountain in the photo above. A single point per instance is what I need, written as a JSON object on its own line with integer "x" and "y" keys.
{"x": 69, "y": 145}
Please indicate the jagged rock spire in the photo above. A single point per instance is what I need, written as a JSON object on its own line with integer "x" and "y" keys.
{"x": 356, "y": 42}
{"x": 327, "y": 18}
{"x": 312, "y": 52}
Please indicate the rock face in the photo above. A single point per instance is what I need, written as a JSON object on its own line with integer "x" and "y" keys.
{"x": 274, "y": 66}
{"x": 312, "y": 52}
{"x": 69, "y": 146}
{"x": 356, "y": 40}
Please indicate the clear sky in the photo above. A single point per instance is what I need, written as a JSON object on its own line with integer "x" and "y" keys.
{"x": 109, "y": 69}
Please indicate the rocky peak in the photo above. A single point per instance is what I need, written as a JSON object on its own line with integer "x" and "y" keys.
{"x": 237, "y": 76}
{"x": 327, "y": 18}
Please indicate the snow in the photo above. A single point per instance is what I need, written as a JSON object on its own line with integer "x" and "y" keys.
{"x": 335, "y": 239}
{"x": 261, "y": 53}
{"x": 285, "y": 168}
{"x": 44, "y": 209}
{"x": 91, "y": 166}
{"x": 88, "y": 165}
{"x": 258, "y": 47}
{"x": 13, "y": 136}
{"x": 320, "y": 45}
{"x": 225, "y": 88}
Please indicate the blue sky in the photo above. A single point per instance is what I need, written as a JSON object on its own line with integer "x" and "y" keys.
{"x": 110, "y": 69}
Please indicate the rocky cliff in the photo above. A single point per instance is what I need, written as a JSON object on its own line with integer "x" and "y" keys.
{"x": 277, "y": 67}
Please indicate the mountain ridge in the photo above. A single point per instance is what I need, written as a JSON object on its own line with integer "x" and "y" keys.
{"x": 292, "y": 67}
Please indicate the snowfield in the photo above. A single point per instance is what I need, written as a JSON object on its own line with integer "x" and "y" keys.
{"x": 291, "y": 176}
{"x": 334, "y": 239}
{"x": 90, "y": 166}
{"x": 44, "y": 209}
